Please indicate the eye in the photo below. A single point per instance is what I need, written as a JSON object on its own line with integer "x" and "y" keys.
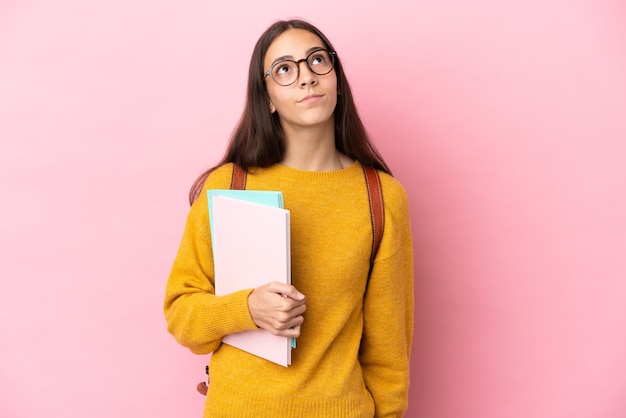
{"x": 282, "y": 68}
{"x": 318, "y": 58}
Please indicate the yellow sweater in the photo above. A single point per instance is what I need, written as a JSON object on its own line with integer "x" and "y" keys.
{"x": 352, "y": 356}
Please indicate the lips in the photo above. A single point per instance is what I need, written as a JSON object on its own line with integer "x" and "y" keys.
{"x": 310, "y": 97}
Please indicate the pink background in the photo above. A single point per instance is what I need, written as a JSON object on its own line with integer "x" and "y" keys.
{"x": 506, "y": 122}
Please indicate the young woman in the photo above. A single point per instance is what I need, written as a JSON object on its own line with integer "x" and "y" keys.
{"x": 300, "y": 133}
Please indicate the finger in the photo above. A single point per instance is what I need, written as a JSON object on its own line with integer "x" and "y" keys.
{"x": 287, "y": 319}
{"x": 293, "y": 332}
{"x": 286, "y": 290}
{"x": 297, "y": 310}
{"x": 290, "y": 322}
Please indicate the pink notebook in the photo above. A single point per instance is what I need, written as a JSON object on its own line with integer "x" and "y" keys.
{"x": 251, "y": 247}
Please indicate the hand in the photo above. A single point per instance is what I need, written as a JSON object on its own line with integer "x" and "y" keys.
{"x": 278, "y": 308}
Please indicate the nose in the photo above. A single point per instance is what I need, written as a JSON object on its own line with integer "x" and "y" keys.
{"x": 305, "y": 75}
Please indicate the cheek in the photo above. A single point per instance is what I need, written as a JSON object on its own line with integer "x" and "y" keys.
{"x": 335, "y": 91}
{"x": 278, "y": 97}
{"x": 333, "y": 86}
{"x": 273, "y": 93}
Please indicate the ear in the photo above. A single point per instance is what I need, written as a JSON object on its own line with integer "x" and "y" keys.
{"x": 272, "y": 108}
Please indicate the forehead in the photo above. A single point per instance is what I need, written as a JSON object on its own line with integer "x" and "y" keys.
{"x": 293, "y": 43}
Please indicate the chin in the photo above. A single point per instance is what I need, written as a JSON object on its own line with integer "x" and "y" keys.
{"x": 309, "y": 121}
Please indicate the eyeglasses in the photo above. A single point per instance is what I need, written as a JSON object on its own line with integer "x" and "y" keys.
{"x": 286, "y": 72}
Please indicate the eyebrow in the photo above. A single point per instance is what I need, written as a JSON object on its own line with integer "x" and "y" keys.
{"x": 290, "y": 57}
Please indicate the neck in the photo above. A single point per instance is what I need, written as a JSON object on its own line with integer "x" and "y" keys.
{"x": 313, "y": 149}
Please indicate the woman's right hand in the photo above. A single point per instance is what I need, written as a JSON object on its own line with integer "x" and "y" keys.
{"x": 278, "y": 308}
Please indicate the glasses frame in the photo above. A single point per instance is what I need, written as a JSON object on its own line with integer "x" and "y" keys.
{"x": 333, "y": 55}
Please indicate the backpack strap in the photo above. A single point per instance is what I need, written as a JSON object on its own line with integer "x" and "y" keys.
{"x": 238, "y": 181}
{"x": 377, "y": 211}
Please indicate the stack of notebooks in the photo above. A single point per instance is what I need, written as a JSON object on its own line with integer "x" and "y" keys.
{"x": 251, "y": 247}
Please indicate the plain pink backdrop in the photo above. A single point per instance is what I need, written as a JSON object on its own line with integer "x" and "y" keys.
{"x": 506, "y": 122}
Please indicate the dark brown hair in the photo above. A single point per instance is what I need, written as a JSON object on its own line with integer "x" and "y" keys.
{"x": 258, "y": 139}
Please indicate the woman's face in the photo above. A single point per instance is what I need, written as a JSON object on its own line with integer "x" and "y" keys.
{"x": 311, "y": 99}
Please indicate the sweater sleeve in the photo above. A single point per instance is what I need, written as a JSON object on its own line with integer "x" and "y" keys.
{"x": 388, "y": 312}
{"x": 195, "y": 316}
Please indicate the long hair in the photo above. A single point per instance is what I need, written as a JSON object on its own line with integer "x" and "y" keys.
{"x": 258, "y": 139}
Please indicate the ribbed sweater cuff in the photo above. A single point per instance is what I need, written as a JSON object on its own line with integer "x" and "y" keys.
{"x": 232, "y": 313}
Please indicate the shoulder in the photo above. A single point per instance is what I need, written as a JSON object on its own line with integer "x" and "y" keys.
{"x": 396, "y": 222}
{"x": 219, "y": 178}
{"x": 396, "y": 202}
{"x": 394, "y": 193}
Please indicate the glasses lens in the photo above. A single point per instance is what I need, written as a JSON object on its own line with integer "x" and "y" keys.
{"x": 320, "y": 62}
{"x": 285, "y": 72}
